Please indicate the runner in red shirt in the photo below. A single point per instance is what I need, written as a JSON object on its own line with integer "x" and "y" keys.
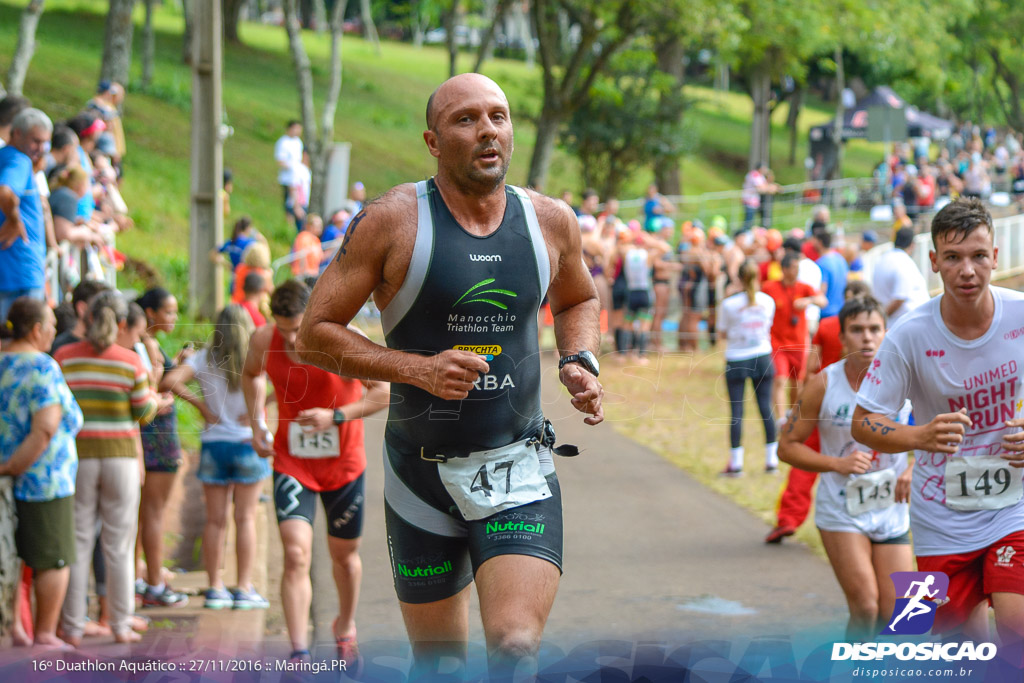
{"x": 789, "y": 329}
{"x": 317, "y": 450}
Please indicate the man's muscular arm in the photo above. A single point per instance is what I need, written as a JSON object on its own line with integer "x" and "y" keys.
{"x": 943, "y": 434}
{"x": 575, "y": 306}
{"x": 373, "y": 259}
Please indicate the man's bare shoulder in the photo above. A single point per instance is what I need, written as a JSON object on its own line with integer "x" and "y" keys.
{"x": 557, "y": 219}
{"x": 391, "y": 210}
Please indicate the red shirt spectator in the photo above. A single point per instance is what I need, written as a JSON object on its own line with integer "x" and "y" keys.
{"x": 827, "y": 338}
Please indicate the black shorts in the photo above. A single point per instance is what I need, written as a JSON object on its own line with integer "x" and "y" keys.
{"x": 638, "y": 300}
{"x": 435, "y": 553}
{"x": 344, "y": 506}
{"x": 619, "y": 291}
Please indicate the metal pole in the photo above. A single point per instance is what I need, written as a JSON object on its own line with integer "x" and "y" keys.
{"x": 206, "y": 292}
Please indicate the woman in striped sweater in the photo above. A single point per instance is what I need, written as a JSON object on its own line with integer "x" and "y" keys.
{"x": 112, "y": 388}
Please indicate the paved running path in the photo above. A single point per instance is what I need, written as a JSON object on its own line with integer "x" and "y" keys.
{"x": 650, "y": 554}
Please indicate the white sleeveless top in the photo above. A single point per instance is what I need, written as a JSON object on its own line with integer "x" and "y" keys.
{"x": 636, "y": 269}
{"x": 830, "y": 508}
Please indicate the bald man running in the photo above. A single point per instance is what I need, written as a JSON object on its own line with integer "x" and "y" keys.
{"x": 459, "y": 265}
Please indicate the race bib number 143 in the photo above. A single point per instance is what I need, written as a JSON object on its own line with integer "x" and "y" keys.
{"x": 981, "y": 483}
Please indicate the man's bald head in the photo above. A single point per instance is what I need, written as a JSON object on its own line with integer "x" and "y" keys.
{"x": 453, "y": 88}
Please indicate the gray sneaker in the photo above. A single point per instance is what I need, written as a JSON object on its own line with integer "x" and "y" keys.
{"x": 165, "y": 598}
{"x": 218, "y": 598}
{"x": 249, "y": 599}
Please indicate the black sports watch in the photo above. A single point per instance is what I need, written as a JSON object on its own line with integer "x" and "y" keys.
{"x": 339, "y": 417}
{"x": 584, "y": 358}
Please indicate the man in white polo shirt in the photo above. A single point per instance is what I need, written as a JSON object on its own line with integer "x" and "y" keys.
{"x": 897, "y": 283}
{"x": 959, "y": 358}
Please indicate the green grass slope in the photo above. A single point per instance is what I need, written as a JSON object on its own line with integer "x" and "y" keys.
{"x": 380, "y": 112}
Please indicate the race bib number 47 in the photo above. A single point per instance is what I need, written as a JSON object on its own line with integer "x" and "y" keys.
{"x": 981, "y": 483}
{"x": 488, "y": 482}
{"x": 303, "y": 444}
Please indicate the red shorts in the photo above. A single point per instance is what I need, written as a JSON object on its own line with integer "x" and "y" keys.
{"x": 975, "y": 576}
{"x": 790, "y": 361}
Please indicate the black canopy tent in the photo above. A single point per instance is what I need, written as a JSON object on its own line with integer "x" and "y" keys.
{"x": 855, "y": 120}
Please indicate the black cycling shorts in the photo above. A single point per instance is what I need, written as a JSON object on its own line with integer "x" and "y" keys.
{"x": 344, "y": 506}
{"x": 435, "y": 553}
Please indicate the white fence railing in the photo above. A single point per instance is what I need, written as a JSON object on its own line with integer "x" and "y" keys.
{"x": 1009, "y": 239}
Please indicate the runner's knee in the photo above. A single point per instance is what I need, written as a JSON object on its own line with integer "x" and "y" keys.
{"x": 296, "y": 557}
{"x": 514, "y": 643}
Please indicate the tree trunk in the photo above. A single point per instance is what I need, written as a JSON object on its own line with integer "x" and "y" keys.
{"x": 417, "y": 21}
{"x": 525, "y": 33}
{"x": 451, "y": 20}
{"x": 1013, "y": 113}
{"x": 487, "y": 43}
{"x": 117, "y": 42}
{"x": 186, "y": 37}
{"x": 9, "y": 563}
{"x": 369, "y": 28}
{"x": 232, "y": 16}
{"x": 320, "y": 16}
{"x": 669, "y": 53}
{"x": 318, "y": 138}
{"x": 25, "y": 48}
{"x": 837, "y": 171}
{"x": 148, "y": 45}
{"x": 544, "y": 147}
{"x": 796, "y": 103}
{"x": 760, "y": 127}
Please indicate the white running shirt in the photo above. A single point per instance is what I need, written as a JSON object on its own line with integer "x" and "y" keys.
{"x": 896, "y": 277}
{"x": 941, "y": 373}
{"x": 834, "y": 419}
{"x": 748, "y": 329}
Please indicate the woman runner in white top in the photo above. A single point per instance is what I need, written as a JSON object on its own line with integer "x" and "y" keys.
{"x": 861, "y": 509}
{"x": 746, "y": 322}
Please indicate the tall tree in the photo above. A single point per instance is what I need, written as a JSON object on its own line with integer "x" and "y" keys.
{"x": 570, "y": 66}
{"x": 232, "y": 13}
{"x": 498, "y": 9}
{"x": 318, "y": 138}
{"x": 117, "y": 42}
{"x": 780, "y": 38}
{"x": 25, "y": 48}
{"x": 148, "y": 45}
{"x": 369, "y": 27}
{"x": 450, "y": 17}
{"x": 187, "y": 9}
{"x": 623, "y": 124}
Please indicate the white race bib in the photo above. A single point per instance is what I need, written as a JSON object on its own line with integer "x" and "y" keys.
{"x": 488, "y": 482}
{"x": 303, "y": 444}
{"x": 981, "y": 483}
{"x": 871, "y": 491}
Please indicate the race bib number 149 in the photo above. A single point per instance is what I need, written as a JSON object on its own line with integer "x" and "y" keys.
{"x": 981, "y": 483}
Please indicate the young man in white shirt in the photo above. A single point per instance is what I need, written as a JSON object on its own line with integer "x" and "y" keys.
{"x": 288, "y": 154}
{"x": 960, "y": 358}
{"x": 897, "y": 283}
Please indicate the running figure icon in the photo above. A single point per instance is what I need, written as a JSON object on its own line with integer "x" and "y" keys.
{"x": 916, "y": 605}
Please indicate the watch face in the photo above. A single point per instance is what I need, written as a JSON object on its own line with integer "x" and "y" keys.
{"x": 590, "y": 360}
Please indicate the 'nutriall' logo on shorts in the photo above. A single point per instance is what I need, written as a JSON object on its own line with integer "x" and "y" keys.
{"x": 922, "y": 593}
{"x": 425, "y": 570}
{"x": 505, "y": 527}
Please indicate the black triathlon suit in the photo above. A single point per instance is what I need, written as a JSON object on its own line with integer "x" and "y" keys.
{"x": 480, "y": 294}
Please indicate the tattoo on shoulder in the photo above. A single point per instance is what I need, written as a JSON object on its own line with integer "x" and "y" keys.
{"x": 351, "y": 230}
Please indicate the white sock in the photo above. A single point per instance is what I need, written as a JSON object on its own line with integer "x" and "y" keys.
{"x": 736, "y": 458}
{"x": 157, "y": 590}
{"x": 771, "y": 454}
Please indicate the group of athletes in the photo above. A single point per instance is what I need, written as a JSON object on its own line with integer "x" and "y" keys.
{"x": 459, "y": 266}
{"x": 943, "y": 385}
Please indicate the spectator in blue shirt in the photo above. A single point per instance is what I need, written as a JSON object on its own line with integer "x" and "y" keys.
{"x": 22, "y": 232}
{"x": 834, "y": 273}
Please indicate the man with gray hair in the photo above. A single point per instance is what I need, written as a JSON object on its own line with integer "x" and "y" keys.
{"x": 22, "y": 230}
